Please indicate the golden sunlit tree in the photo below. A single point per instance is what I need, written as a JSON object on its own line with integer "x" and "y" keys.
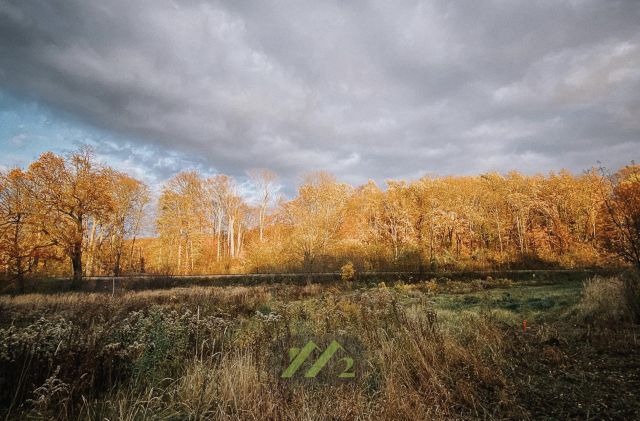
{"x": 130, "y": 199}
{"x": 182, "y": 220}
{"x": 69, "y": 190}
{"x": 315, "y": 216}
{"x": 20, "y": 242}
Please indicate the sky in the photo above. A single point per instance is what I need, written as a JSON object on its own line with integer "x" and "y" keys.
{"x": 362, "y": 89}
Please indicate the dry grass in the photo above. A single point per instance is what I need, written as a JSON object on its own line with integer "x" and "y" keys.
{"x": 217, "y": 353}
{"x": 214, "y": 353}
{"x": 603, "y": 301}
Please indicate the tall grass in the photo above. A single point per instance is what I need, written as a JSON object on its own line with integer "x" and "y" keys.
{"x": 610, "y": 300}
{"x": 217, "y": 353}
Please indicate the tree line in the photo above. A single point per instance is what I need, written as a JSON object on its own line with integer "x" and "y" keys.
{"x": 73, "y": 216}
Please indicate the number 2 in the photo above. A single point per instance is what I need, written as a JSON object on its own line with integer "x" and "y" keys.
{"x": 346, "y": 374}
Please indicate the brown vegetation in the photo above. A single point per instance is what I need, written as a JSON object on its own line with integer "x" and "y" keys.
{"x": 217, "y": 353}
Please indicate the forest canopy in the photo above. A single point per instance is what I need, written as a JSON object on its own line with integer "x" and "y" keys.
{"x": 74, "y": 216}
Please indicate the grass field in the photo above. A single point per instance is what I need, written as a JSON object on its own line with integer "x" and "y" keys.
{"x": 436, "y": 349}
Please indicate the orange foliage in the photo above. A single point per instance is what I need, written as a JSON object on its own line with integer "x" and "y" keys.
{"x": 72, "y": 206}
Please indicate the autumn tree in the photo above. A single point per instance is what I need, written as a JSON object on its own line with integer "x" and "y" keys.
{"x": 427, "y": 217}
{"x": 68, "y": 190}
{"x": 20, "y": 242}
{"x": 194, "y": 213}
{"x": 217, "y": 189}
{"x": 621, "y": 211}
{"x": 495, "y": 210}
{"x": 316, "y": 215}
{"x": 231, "y": 203}
{"x": 360, "y": 233}
{"x": 395, "y": 221}
{"x": 182, "y": 219}
{"x": 130, "y": 198}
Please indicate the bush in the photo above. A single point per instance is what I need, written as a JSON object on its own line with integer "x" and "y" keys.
{"x": 347, "y": 272}
{"x": 428, "y": 287}
{"x": 604, "y": 300}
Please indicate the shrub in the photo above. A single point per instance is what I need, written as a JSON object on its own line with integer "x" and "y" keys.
{"x": 428, "y": 287}
{"x": 347, "y": 272}
{"x": 603, "y": 300}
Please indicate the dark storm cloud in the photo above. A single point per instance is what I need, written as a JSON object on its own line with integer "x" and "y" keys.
{"x": 361, "y": 88}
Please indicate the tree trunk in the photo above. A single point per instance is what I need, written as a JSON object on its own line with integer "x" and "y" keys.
{"x": 499, "y": 234}
{"x": 191, "y": 255}
{"x": 133, "y": 243}
{"x": 19, "y": 274}
{"x": 431, "y": 260}
{"x": 76, "y": 263}
{"x": 260, "y": 225}
{"x": 219, "y": 234}
{"x": 261, "y": 222}
{"x": 218, "y": 240}
{"x": 141, "y": 259}
{"x": 179, "y": 256}
{"x": 116, "y": 266}
{"x": 307, "y": 261}
{"x": 15, "y": 250}
{"x": 20, "y": 282}
{"x": 231, "y": 237}
{"x": 520, "y": 239}
{"x": 91, "y": 256}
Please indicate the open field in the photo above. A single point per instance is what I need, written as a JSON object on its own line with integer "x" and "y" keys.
{"x": 440, "y": 348}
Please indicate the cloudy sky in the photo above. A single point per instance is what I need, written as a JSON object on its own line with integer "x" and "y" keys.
{"x": 363, "y": 89}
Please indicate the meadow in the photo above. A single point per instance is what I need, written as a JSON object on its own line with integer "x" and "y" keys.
{"x": 436, "y": 348}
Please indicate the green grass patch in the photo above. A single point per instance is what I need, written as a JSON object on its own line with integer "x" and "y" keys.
{"x": 534, "y": 301}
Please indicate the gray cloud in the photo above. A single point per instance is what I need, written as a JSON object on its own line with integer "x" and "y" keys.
{"x": 365, "y": 89}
